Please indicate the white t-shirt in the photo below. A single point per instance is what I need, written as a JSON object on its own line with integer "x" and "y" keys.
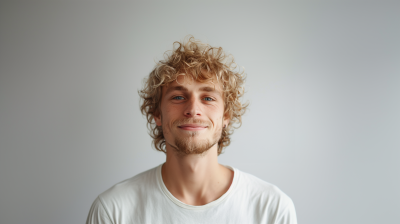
{"x": 145, "y": 199}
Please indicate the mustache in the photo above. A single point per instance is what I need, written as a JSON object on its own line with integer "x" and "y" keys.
{"x": 191, "y": 121}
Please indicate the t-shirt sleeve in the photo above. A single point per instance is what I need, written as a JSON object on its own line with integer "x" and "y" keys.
{"x": 287, "y": 215}
{"x": 98, "y": 214}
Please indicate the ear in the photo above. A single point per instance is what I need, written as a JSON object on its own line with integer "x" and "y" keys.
{"x": 157, "y": 119}
{"x": 226, "y": 120}
{"x": 225, "y": 123}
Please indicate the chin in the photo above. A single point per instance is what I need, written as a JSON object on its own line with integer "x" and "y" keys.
{"x": 190, "y": 134}
{"x": 193, "y": 145}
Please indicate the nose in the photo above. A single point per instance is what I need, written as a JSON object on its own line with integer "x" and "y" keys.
{"x": 193, "y": 108}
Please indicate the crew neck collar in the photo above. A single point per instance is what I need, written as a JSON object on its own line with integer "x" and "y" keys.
{"x": 197, "y": 207}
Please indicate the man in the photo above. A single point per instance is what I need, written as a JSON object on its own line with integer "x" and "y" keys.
{"x": 191, "y": 101}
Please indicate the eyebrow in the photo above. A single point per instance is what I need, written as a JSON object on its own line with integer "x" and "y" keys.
{"x": 209, "y": 89}
{"x": 181, "y": 88}
{"x": 184, "y": 89}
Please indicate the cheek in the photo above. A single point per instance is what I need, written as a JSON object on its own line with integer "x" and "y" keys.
{"x": 167, "y": 122}
{"x": 217, "y": 122}
{"x": 166, "y": 131}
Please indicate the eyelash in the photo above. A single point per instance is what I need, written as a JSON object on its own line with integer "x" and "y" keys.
{"x": 211, "y": 99}
{"x": 176, "y": 97}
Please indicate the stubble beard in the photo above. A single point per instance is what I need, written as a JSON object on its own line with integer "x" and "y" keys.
{"x": 188, "y": 145}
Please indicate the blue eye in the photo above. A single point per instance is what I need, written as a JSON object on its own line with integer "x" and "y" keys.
{"x": 208, "y": 99}
{"x": 178, "y": 98}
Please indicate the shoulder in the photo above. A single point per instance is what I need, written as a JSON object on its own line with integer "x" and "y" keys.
{"x": 259, "y": 187}
{"x": 267, "y": 198}
{"x": 130, "y": 191}
{"x": 124, "y": 197}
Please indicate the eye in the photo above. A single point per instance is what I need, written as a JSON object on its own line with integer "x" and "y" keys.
{"x": 208, "y": 99}
{"x": 178, "y": 98}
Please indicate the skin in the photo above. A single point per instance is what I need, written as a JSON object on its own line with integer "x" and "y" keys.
{"x": 193, "y": 112}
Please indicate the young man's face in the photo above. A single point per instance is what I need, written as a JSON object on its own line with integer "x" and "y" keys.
{"x": 192, "y": 115}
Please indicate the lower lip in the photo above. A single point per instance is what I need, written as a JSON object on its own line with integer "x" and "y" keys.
{"x": 192, "y": 128}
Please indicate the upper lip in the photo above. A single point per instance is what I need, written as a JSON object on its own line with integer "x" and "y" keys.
{"x": 192, "y": 125}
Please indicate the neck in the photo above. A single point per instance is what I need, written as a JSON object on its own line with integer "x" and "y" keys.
{"x": 196, "y": 179}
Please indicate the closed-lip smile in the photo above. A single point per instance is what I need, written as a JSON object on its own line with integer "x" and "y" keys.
{"x": 192, "y": 127}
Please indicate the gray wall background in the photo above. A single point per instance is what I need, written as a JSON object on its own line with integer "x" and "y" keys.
{"x": 323, "y": 85}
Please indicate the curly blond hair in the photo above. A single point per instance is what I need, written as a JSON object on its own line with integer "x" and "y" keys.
{"x": 203, "y": 63}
